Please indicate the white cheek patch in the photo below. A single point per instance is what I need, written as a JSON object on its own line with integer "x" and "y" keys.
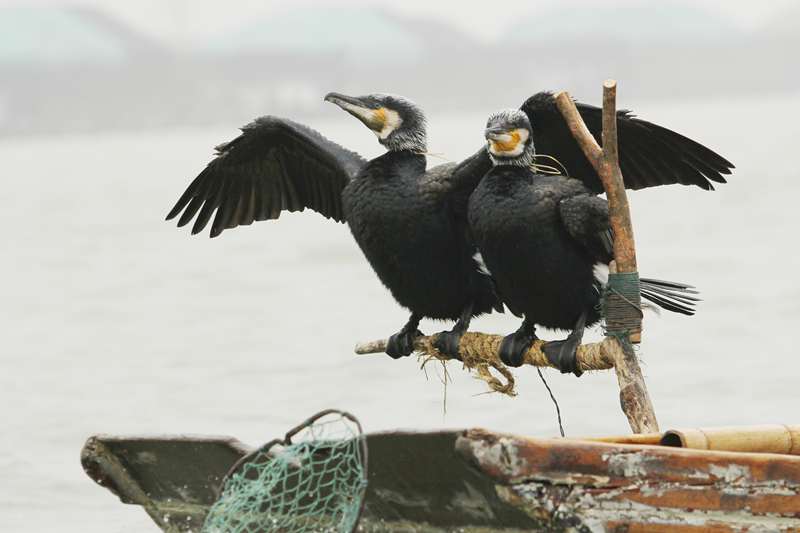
{"x": 392, "y": 122}
{"x": 517, "y": 137}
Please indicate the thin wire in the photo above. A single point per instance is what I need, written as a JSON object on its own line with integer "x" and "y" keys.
{"x": 438, "y": 155}
{"x": 555, "y": 402}
{"x": 444, "y": 398}
{"x": 563, "y": 168}
{"x": 545, "y": 169}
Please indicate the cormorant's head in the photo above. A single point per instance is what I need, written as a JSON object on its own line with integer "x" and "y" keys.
{"x": 397, "y": 121}
{"x": 508, "y": 138}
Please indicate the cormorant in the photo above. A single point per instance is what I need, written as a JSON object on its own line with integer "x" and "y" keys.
{"x": 400, "y": 214}
{"x": 545, "y": 240}
{"x": 411, "y": 223}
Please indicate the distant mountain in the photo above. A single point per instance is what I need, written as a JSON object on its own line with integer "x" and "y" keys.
{"x": 646, "y": 23}
{"x": 353, "y": 34}
{"x": 53, "y": 36}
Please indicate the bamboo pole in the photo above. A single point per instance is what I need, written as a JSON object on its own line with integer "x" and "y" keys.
{"x": 760, "y": 439}
{"x": 634, "y": 398}
{"x": 774, "y": 438}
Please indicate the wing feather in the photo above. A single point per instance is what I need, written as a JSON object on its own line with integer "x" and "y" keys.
{"x": 670, "y": 156}
{"x": 274, "y": 165}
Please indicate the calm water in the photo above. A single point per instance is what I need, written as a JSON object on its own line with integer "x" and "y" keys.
{"x": 117, "y": 322}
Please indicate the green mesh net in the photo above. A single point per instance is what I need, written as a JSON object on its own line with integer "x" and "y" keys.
{"x": 312, "y": 480}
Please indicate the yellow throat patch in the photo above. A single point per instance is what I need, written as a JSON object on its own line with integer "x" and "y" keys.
{"x": 506, "y": 146}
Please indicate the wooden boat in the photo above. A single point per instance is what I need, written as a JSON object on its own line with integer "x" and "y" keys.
{"x": 477, "y": 481}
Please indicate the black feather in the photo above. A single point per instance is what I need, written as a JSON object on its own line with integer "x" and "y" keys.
{"x": 274, "y": 164}
{"x": 650, "y": 155}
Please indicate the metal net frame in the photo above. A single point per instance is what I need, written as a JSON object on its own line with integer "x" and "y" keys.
{"x": 312, "y": 480}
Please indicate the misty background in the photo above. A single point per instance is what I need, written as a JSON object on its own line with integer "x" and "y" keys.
{"x": 113, "y": 65}
{"x": 114, "y": 321}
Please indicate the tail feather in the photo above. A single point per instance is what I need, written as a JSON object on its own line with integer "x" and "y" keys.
{"x": 682, "y": 297}
{"x": 669, "y": 295}
{"x": 669, "y": 305}
{"x": 686, "y": 293}
{"x": 663, "y": 283}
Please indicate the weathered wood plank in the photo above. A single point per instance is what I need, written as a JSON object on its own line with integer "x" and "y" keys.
{"x": 582, "y": 482}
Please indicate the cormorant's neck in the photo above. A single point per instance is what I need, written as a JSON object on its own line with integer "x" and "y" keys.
{"x": 505, "y": 170}
{"x": 394, "y": 157}
{"x": 525, "y": 159}
{"x": 394, "y": 162}
{"x": 406, "y": 139}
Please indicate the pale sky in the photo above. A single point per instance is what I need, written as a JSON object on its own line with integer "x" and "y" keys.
{"x": 177, "y": 20}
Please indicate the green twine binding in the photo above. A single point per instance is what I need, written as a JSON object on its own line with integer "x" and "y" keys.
{"x": 621, "y": 305}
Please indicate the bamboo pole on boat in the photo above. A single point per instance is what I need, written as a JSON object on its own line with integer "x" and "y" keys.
{"x": 771, "y": 438}
{"x": 775, "y": 438}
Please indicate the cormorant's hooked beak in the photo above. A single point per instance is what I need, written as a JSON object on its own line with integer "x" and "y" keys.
{"x": 374, "y": 119}
{"x": 497, "y": 133}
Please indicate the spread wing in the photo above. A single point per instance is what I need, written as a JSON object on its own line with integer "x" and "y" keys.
{"x": 649, "y": 154}
{"x": 274, "y": 165}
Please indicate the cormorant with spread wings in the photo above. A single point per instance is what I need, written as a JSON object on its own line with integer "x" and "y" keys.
{"x": 410, "y": 221}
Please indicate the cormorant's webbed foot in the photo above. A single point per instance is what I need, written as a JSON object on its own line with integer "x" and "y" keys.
{"x": 564, "y": 354}
{"x": 401, "y": 343}
{"x": 447, "y": 342}
{"x": 515, "y": 346}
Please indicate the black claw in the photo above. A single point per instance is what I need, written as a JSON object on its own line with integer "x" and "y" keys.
{"x": 402, "y": 344}
{"x": 447, "y": 343}
{"x": 515, "y": 346}
{"x": 563, "y": 354}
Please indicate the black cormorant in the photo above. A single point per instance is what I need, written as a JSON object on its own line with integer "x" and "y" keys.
{"x": 400, "y": 214}
{"x": 411, "y": 222}
{"x": 546, "y": 242}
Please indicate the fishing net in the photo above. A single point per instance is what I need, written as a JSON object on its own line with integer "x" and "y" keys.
{"x": 312, "y": 480}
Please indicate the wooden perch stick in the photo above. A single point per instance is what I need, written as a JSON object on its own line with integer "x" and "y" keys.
{"x": 634, "y": 398}
{"x": 606, "y": 162}
{"x": 480, "y": 352}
